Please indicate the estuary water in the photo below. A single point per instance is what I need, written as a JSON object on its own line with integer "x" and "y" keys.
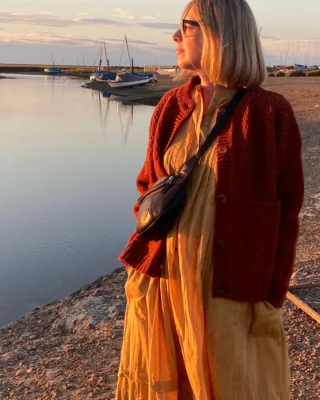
{"x": 69, "y": 159}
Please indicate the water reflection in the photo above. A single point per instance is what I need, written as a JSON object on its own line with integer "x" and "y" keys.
{"x": 67, "y": 187}
{"x": 124, "y": 111}
{"x": 107, "y": 95}
{"x": 53, "y": 79}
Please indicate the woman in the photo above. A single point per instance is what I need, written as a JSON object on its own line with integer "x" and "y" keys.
{"x": 203, "y": 318}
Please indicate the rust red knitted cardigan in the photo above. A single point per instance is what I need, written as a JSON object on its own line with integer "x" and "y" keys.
{"x": 259, "y": 193}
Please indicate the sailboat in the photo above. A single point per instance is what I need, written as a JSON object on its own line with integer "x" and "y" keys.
{"x": 100, "y": 75}
{"x": 168, "y": 71}
{"x": 53, "y": 70}
{"x": 125, "y": 79}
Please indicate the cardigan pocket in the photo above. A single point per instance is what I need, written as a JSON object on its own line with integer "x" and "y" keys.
{"x": 261, "y": 238}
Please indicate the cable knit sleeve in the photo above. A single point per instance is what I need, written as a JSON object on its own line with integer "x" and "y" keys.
{"x": 290, "y": 194}
{"x": 147, "y": 170}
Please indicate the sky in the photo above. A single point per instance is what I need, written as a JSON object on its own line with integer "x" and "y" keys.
{"x": 71, "y": 31}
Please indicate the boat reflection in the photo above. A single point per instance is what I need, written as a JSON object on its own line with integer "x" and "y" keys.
{"x": 52, "y": 79}
{"x": 124, "y": 111}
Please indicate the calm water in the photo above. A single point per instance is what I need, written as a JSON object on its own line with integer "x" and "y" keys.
{"x": 69, "y": 159}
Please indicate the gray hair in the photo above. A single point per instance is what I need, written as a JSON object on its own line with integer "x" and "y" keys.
{"x": 232, "y": 54}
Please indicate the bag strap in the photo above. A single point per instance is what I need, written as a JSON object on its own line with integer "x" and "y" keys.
{"x": 188, "y": 166}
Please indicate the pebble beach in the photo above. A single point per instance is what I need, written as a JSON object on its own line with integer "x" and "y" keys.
{"x": 70, "y": 349}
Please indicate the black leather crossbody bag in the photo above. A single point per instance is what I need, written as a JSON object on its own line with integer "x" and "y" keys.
{"x": 161, "y": 204}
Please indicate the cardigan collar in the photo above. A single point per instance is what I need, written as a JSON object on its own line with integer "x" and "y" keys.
{"x": 184, "y": 94}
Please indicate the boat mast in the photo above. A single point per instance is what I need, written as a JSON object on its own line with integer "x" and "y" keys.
{"x": 121, "y": 56}
{"x": 105, "y": 52}
{"x": 100, "y": 60}
{"x": 285, "y": 61}
{"x": 95, "y": 61}
{"x": 130, "y": 59}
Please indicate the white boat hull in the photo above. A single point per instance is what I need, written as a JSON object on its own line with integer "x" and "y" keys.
{"x": 167, "y": 71}
{"x": 119, "y": 84}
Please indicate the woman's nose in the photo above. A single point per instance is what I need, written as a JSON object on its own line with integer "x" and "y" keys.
{"x": 177, "y": 37}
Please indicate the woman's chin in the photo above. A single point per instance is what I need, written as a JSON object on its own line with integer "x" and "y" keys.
{"x": 183, "y": 64}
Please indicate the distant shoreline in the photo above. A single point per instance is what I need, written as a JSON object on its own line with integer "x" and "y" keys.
{"x": 70, "y": 70}
{"x": 149, "y": 94}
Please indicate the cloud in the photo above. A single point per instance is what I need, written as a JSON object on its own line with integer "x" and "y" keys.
{"x": 159, "y": 25}
{"x": 135, "y": 41}
{"x": 34, "y": 19}
{"x": 270, "y": 38}
{"x": 51, "y": 20}
{"x": 121, "y": 14}
{"x": 292, "y": 43}
{"x": 47, "y": 19}
{"x": 165, "y": 50}
{"x": 35, "y": 51}
{"x": 47, "y": 37}
{"x": 148, "y": 17}
{"x": 98, "y": 21}
{"x": 271, "y": 56}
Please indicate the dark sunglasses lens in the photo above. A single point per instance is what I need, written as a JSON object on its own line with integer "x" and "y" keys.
{"x": 190, "y": 22}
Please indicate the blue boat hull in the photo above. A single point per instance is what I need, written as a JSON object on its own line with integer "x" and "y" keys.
{"x": 54, "y": 71}
{"x": 104, "y": 76}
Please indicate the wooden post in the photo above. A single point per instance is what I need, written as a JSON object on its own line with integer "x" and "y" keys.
{"x": 305, "y": 285}
{"x": 303, "y": 306}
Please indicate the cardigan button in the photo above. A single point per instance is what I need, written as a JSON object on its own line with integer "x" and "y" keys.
{"x": 222, "y": 198}
{"x": 221, "y": 289}
{"x": 220, "y": 243}
{"x": 222, "y": 150}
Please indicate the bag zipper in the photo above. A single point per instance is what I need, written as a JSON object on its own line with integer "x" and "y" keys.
{"x": 157, "y": 187}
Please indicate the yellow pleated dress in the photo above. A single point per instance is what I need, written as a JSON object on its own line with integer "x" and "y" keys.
{"x": 180, "y": 343}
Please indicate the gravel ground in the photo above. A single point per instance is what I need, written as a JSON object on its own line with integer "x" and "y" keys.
{"x": 70, "y": 349}
{"x": 302, "y": 331}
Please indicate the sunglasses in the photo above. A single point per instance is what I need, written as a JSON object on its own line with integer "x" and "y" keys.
{"x": 188, "y": 23}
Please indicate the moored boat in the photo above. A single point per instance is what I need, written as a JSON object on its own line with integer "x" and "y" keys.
{"x": 152, "y": 77}
{"x": 54, "y": 71}
{"x": 100, "y": 75}
{"x": 125, "y": 79}
{"x": 167, "y": 71}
